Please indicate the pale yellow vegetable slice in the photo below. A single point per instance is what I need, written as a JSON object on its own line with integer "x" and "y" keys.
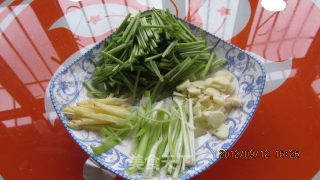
{"x": 234, "y": 102}
{"x": 231, "y": 88}
{"x": 197, "y": 110}
{"x": 205, "y": 101}
{"x": 88, "y": 113}
{"x": 178, "y": 94}
{"x": 83, "y": 110}
{"x": 185, "y": 106}
{"x": 114, "y": 110}
{"x": 211, "y": 108}
{"x": 112, "y": 101}
{"x": 199, "y": 84}
{"x": 185, "y": 92}
{"x": 85, "y": 102}
{"x": 89, "y": 105}
{"x": 215, "y": 118}
{"x": 212, "y": 92}
{"x": 68, "y": 109}
{"x": 88, "y": 121}
{"x": 193, "y": 91}
{"x": 221, "y": 83}
{"x": 93, "y": 127}
{"x": 219, "y": 100}
{"x": 183, "y": 85}
{"x": 208, "y": 81}
{"x": 221, "y": 132}
{"x": 201, "y": 126}
{"x": 103, "y": 117}
{"x": 225, "y": 74}
{"x": 200, "y": 96}
{"x": 73, "y": 125}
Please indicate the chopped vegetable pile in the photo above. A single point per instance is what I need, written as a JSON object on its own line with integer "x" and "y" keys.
{"x": 152, "y": 51}
{"x": 154, "y": 56}
{"x": 163, "y": 137}
{"x": 212, "y": 101}
{"x": 110, "y": 116}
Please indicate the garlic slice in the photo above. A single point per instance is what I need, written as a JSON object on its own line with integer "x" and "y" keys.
{"x": 212, "y": 92}
{"x": 183, "y": 85}
{"x": 199, "y": 84}
{"x": 215, "y": 118}
{"x": 178, "y": 94}
{"x": 193, "y": 91}
{"x": 234, "y": 101}
{"x": 221, "y": 132}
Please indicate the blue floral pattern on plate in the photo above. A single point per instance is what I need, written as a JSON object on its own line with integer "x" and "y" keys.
{"x": 66, "y": 88}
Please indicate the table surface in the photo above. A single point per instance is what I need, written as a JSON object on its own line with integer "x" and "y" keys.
{"x": 36, "y": 37}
